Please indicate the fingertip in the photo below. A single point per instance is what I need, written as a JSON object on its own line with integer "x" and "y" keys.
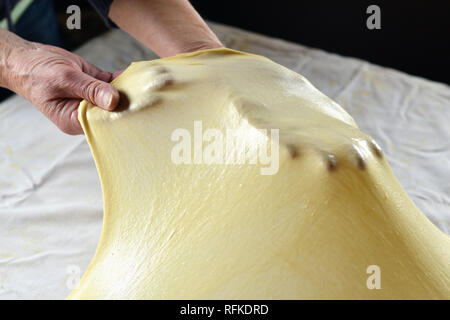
{"x": 117, "y": 73}
{"x": 115, "y": 99}
{"x": 109, "y": 99}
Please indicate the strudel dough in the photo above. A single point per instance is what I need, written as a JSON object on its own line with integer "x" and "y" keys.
{"x": 330, "y": 219}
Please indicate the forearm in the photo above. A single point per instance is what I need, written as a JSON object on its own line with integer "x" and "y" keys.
{"x": 168, "y": 27}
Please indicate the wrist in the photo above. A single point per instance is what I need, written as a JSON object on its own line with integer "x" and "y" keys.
{"x": 205, "y": 45}
{"x": 14, "y": 53}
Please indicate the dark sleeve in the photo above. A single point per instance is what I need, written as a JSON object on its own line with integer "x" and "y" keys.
{"x": 102, "y": 7}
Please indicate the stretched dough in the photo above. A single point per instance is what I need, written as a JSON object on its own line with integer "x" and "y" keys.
{"x": 331, "y": 213}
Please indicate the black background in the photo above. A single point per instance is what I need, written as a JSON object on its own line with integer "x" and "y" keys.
{"x": 414, "y": 35}
{"x": 279, "y": 309}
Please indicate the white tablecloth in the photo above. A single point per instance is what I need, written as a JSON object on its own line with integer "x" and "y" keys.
{"x": 50, "y": 196}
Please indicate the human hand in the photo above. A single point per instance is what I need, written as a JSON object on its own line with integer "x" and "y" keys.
{"x": 55, "y": 81}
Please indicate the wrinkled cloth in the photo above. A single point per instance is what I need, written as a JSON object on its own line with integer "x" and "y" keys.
{"x": 50, "y": 195}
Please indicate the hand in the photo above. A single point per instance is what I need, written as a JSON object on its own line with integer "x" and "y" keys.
{"x": 55, "y": 81}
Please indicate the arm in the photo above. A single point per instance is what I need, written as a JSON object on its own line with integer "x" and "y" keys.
{"x": 53, "y": 79}
{"x": 168, "y": 27}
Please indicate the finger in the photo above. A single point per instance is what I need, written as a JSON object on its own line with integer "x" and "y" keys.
{"x": 74, "y": 123}
{"x": 66, "y": 116}
{"x": 85, "y": 66}
{"x": 95, "y": 72}
{"x": 117, "y": 73}
{"x": 97, "y": 92}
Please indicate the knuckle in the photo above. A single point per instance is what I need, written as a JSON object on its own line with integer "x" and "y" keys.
{"x": 68, "y": 127}
{"x": 90, "y": 90}
{"x": 57, "y": 113}
{"x": 64, "y": 127}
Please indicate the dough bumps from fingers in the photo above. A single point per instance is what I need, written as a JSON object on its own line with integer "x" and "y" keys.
{"x": 312, "y": 228}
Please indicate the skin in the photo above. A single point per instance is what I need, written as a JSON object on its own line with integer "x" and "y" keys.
{"x": 55, "y": 80}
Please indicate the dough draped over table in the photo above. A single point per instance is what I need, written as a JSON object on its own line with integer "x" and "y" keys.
{"x": 315, "y": 227}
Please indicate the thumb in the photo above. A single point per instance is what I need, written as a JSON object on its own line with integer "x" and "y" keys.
{"x": 97, "y": 92}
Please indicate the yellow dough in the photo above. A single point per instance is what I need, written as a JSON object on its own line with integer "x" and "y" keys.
{"x": 316, "y": 227}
